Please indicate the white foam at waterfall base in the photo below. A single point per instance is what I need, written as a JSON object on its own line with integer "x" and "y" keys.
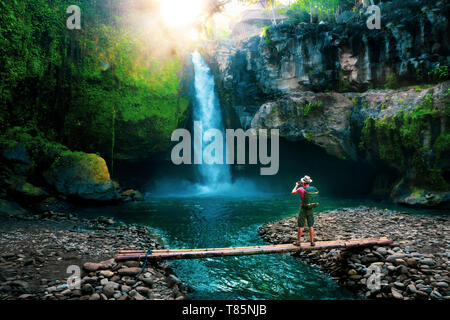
{"x": 184, "y": 188}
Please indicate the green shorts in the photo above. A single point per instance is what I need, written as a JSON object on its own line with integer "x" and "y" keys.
{"x": 305, "y": 214}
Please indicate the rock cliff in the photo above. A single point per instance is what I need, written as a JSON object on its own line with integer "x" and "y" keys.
{"x": 378, "y": 96}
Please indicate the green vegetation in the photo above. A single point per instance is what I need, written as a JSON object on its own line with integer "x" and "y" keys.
{"x": 343, "y": 85}
{"x": 78, "y": 87}
{"x": 93, "y": 166}
{"x": 265, "y": 30}
{"x": 420, "y": 87}
{"x": 311, "y": 107}
{"x": 439, "y": 74}
{"x": 310, "y": 136}
{"x": 398, "y": 141}
{"x": 266, "y": 35}
{"x": 315, "y": 10}
{"x": 391, "y": 82}
{"x": 41, "y": 151}
{"x": 442, "y": 146}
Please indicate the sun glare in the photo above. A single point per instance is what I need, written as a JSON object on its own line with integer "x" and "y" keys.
{"x": 181, "y": 13}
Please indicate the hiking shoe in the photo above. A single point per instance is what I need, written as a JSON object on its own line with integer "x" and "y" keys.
{"x": 297, "y": 244}
{"x": 312, "y": 244}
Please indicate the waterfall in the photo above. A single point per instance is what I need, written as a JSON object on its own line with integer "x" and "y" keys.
{"x": 207, "y": 112}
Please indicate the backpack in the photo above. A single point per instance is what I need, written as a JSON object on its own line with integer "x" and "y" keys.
{"x": 311, "y": 197}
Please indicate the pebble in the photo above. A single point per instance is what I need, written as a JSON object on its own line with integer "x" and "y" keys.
{"x": 106, "y": 273}
{"x": 409, "y": 270}
{"x": 91, "y": 266}
{"x": 411, "y": 262}
{"x": 101, "y": 280}
{"x": 412, "y": 288}
{"x": 108, "y": 290}
{"x": 442, "y": 284}
{"x": 396, "y": 294}
{"x": 130, "y": 271}
{"x": 94, "y": 297}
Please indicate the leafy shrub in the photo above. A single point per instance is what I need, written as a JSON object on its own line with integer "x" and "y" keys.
{"x": 439, "y": 74}
{"x": 311, "y": 107}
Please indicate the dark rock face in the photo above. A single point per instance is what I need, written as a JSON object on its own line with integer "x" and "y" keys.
{"x": 82, "y": 175}
{"x": 412, "y": 41}
{"x": 288, "y": 81}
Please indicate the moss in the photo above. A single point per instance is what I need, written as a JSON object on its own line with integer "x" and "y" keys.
{"x": 398, "y": 141}
{"x": 439, "y": 74}
{"x": 275, "y": 111}
{"x": 388, "y": 142}
{"x": 266, "y": 35}
{"x": 310, "y": 136}
{"x": 40, "y": 150}
{"x": 312, "y": 107}
{"x": 435, "y": 181}
{"x": 88, "y": 164}
{"x": 391, "y": 82}
{"x": 265, "y": 30}
{"x": 366, "y": 130}
{"x": 343, "y": 85}
{"x": 420, "y": 87}
{"x": 30, "y": 190}
{"x": 442, "y": 146}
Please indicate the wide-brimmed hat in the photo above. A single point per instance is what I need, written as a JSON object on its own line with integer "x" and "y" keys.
{"x": 306, "y": 180}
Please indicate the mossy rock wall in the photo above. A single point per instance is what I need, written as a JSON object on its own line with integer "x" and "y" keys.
{"x": 33, "y": 167}
{"x": 410, "y": 132}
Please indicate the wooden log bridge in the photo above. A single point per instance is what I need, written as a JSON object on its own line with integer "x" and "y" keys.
{"x": 167, "y": 254}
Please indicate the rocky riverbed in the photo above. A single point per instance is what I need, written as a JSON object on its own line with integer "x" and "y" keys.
{"x": 415, "y": 266}
{"x": 37, "y": 250}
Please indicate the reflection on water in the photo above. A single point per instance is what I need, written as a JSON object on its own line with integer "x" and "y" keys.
{"x": 222, "y": 221}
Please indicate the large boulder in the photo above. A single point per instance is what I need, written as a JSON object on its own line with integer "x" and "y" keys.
{"x": 407, "y": 195}
{"x": 320, "y": 118}
{"x": 82, "y": 175}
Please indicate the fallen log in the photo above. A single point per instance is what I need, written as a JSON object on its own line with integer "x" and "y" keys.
{"x": 167, "y": 254}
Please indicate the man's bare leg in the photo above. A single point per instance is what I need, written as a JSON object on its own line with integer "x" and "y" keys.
{"x": 299, "y": 236}
{"x": 311, "y": 235}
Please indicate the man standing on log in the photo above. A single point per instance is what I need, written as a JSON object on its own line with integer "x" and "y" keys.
{"x": 309, "y": 197}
